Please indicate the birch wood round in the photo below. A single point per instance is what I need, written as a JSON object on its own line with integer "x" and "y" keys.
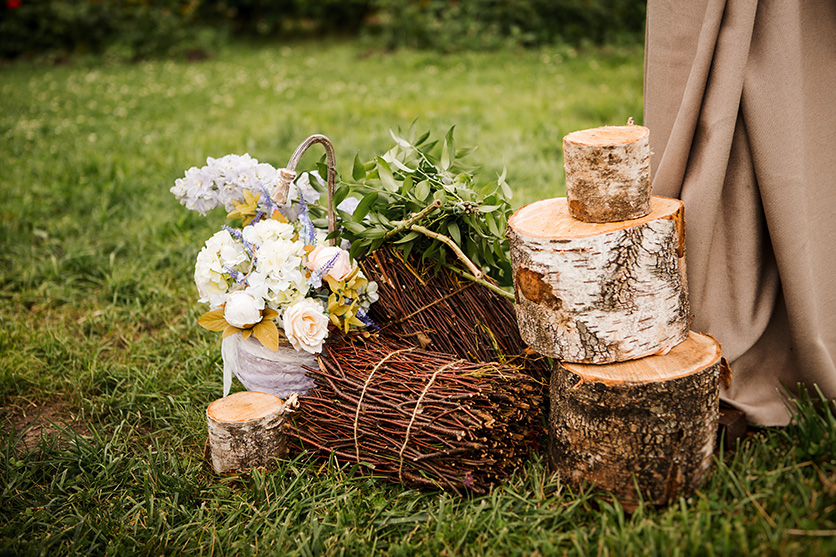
{"x": 649, "y": 424}
{"x": 245, "y": 431}
{"x": 608, "y": 173}
{"x": 599, "y": 293}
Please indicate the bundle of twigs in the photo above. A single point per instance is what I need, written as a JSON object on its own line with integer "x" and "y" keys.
{"x": 422, "y": 418}
{"x": 444, "y": 311}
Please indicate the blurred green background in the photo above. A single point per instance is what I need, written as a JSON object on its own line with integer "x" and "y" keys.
{"x": 134, "y": 29}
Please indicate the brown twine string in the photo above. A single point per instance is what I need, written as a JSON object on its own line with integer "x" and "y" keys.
{"x": 363, "y": 394}
{"x": 415, "y": 413}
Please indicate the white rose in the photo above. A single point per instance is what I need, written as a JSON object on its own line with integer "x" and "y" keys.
{"x": 306, "y": 326}
{"x": 242, "y": 310}
{"x": 330, "y": 260}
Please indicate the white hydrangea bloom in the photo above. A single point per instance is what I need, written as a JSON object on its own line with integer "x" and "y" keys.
{"x": 212, "y": 277}
{"x": 196, "y": 190}
{"x": 279, "y": 272}
{"x": 268, "y": 229}
{"x": 367, "y": 295}
{"x": 349, "y": 204}
{"x": 223, "y": 181}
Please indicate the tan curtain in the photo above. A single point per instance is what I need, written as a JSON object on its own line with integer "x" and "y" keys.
{"x": 740, "y": 99}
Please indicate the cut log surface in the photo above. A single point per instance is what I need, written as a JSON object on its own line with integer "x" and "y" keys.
{"x": 608, "y": 173}
{"x": 600, "y": 292}
{"x": 245, "y": 431}
{"x": 650, "y": 423}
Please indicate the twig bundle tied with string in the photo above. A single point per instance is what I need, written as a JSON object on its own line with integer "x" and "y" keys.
{"x": 421, "y": 418}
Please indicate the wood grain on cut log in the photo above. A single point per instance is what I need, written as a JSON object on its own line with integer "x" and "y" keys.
{"x": 245, "y": 431}
{"x": 599, "y": 293}
{"x": 649, "y": 423}
{"x": 608, "y": 173}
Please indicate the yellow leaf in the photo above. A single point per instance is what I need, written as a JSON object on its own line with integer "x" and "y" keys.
{"x": 213, "y": 320}
{"x": 278, "y": 216}
{"x": 339, "y": 310}
{"x": 230, "y": 330}
{"x": 246, "y": 333}
{"x": 309, "y": 249}
{"x": 356, "y": 322}
{"x": 267, "y": 334}
{"x": 269, "y": 313}
{"x": 335, "y": 320}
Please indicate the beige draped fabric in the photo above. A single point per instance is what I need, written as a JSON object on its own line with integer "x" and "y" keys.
{"x": 740, "y": 99}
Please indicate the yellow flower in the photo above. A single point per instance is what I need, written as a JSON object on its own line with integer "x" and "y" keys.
{"x": 246, "y": 210}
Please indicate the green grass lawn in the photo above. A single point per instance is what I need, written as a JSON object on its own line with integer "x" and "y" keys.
{"x": 98, "y": 315}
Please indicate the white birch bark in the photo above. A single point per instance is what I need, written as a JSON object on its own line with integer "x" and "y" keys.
{"x": 245, "y": 431}
{"x": 608, "y": 173}
{"x": 599, "y": 293}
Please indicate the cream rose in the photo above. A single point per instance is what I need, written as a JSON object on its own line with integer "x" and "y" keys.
{"x": 306, "y": 325}
{"x": 334, "y": 259}
{"x": 242, "y": 310}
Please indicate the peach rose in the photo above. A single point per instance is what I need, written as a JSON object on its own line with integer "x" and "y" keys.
{"x": 306, "y": 325}
{"x": 331, "y": 261}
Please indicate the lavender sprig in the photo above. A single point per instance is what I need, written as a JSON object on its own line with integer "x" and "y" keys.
{"x": 257, "y": 217}
{"x": 235, "y": 274}
{"x": 268, "y": 201}
{"x": 367, "y": 321}
{"x": 234, "y": 232}
{"x": 307, "y": 225}
{"x": 316, "y": 277}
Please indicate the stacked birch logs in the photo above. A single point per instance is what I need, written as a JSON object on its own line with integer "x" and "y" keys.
{"x": 600, "y": 286}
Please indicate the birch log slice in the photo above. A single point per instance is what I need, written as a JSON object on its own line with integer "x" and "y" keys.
{"x": 599, "y": 293}
{"x": 245, "y": 431}
{"x": 649, "y": 423}
{"x": 608, "y": 173}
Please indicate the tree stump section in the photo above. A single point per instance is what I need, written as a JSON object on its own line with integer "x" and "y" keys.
{"x": 600, "y": 292}
{"x": 245, "y": 431}
{"x": 608, "y": 173}
{"x": 649, "y": 424}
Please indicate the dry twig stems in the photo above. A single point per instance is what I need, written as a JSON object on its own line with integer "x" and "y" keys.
{"x": 422, "y": 418}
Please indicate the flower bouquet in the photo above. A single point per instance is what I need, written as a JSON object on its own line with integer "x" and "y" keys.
{"x": 275, "y": 287}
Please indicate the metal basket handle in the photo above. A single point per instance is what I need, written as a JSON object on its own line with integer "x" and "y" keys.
{"x": 288, "y": 174}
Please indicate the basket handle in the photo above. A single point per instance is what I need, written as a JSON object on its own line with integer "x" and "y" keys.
{"x": 288, "y": 174}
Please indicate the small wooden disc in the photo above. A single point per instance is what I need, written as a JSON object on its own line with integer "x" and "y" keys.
{"x": 243, "y": 407}
{"x": 550, "y": 218}
{"x": 608, "y": 135}
{"x": 695, "y": 353}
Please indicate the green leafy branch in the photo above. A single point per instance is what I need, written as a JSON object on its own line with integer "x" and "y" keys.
{"x": 419, "y": 194}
